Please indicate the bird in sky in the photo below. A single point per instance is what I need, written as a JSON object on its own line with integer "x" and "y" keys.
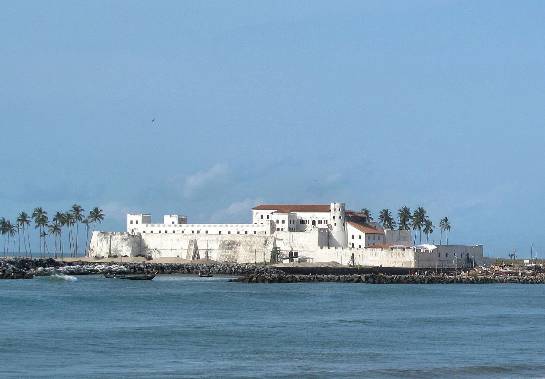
{"x": 153, "y": 120}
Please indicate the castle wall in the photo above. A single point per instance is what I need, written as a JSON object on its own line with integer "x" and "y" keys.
{"x": 105, "y": 244}
{"x": 225, "y": 248}
{"x": 256, "y": 248}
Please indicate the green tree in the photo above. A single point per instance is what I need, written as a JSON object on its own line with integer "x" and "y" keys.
{"x": 11, "y": 230}
{"x": 367, "y": 214}
{"x": 428, "y": 229}
{"x": 4, "y": 232}
{"x": 23, "y": 221}
{"x": 418, "y": 220}
{"x": 386, "y": 219}
{"x": 40, "y": 221}
{"x": 96, "y": 216}
{"x": 404, "y": 215}
{"x": 70, "y": 222}
{"x": 60, "y": 219}
{"x": 55, "y": 231}
{"x": 77, "y": 212}
{"x": 444, "y": 225}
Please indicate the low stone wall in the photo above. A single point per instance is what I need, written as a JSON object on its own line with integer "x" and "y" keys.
{"x": 364, "y": 257}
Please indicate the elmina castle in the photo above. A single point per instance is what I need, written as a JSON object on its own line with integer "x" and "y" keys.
{"x": 282, "y": 233}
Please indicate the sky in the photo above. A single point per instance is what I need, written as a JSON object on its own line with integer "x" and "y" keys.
{"x": 377, "y": 104}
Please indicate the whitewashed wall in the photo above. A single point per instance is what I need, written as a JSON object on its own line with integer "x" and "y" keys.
{"x": 256, "y": 248}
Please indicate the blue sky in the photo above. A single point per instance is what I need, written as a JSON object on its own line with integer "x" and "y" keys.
{"x": 374, "y": 103}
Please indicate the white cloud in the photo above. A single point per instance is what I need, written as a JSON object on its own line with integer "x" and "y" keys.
{"x": 239, "y": 211}
{"x": 202, "y": 179}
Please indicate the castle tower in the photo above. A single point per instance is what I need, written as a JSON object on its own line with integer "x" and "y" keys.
{"x": 337, "y": 222}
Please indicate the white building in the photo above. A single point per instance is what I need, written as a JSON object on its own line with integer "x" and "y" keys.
{"x": 319, "y": 232}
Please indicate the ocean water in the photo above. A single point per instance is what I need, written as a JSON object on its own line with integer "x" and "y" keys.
{"x": 185, "y": 326}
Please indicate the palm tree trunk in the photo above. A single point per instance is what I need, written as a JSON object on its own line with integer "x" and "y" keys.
{"x": 60, "y": 245}
{"x": 29, "y": 244}
{"x": 77, "y": 234}
{"x": 87, "y": 239}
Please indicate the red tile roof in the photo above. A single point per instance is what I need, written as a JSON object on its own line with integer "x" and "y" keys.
{"x": 366, "y": 228}
{"x": 286, "y": 208}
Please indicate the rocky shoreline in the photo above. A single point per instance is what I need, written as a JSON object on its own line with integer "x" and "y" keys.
{"x": 25, "y": 268}
{"x": 430, "y": 278}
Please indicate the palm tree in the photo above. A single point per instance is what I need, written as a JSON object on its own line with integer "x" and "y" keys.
{"x": 11, "y": 229}
{"x": 404, "y": 214}
{"x": 55, "y": 231}
{"x": 40, "y": 221}
{"x": 77, "y": 212}
{"x": 60, "y": 219}
{"x": 4, "y": 231}
{"x": 86, "y": 221}
{"x": 444, "y": 225}
{"x": 23, "y": 221}
{"x": 96, "y": 215}
{"x": 419, "y": 218}
{"x": 428, "y": 229}
{"x": 69, "y": 222}
{"x": 367, "y": 214}
{"x": 43, "y": 235}
{"x": 386, "y": 219}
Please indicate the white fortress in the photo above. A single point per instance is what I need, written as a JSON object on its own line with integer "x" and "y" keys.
{"x": 312, "y": 233}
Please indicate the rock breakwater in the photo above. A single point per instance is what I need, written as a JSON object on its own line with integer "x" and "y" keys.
{"x": 391, "y": 279}
{"x": 25, "y": 268}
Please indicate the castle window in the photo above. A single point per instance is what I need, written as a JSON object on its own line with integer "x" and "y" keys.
{"x": 359, "y": 246}
{"x": 192, "y": 232}
{"x": 262, "y": 217}
{"x": 173, "y": 222}
{"x": 283, "y": 221}
{"x": 255, "y": 232}
{"x": 352, "y": 244}
{"x": 238, "y": 231}
{"x": 360, "y": 236}
{"x": 206, "y": 231}
{"x": 159, "y": 231}
{"x": 173, "y": 231}
{"x": 198, "y": 232}
{"x": 352, "y": 236}
{"x": 143, "y": 231}
{"x": 137, "y": 221}
{"x": 219, "y": 232}
{"x": 152, "y": 231}
{"x": 182, "y": 231}
{"x": 228, "y": 232}
{"x": 245, "y": 232}
{"x": 131, "y": 222}
{"x": 333, "y": 217}
{"x": 267, "y": 217}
